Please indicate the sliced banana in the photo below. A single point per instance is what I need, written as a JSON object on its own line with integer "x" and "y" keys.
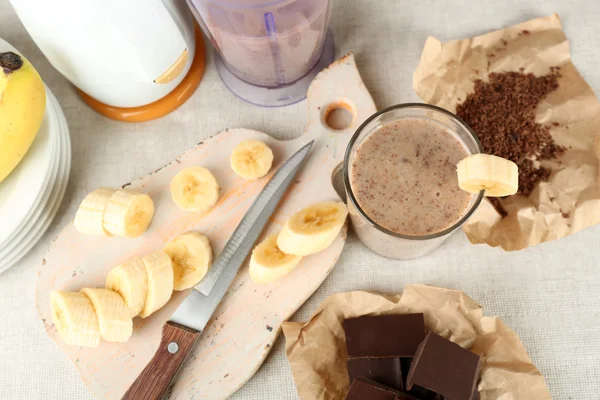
{"x": 312, "y": 229}
{"x": 130, "y": 280}
{"x": 75, "y": 319}
{"x": 191, "y": 256}
{"x": 160, "y": 281}
{"x": 114, "y": 317}
{"x": 251, "y": 159}
{"x": 128, "y": 213}
{"x": 194, "y": 189}
{"x": 88, "y": 219}
{"x": 268, "y": 263}
{"x": 496, "y": 175}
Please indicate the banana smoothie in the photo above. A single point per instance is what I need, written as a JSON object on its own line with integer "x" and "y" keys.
{"x": 403, "y": 176}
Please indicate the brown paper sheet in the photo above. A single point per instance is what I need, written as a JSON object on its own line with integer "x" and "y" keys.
{"x": 316, "y": 349}
{"x": 570, "y": 200}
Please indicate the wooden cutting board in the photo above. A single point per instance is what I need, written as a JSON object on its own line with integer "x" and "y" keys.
{"x": 245, "y": 325}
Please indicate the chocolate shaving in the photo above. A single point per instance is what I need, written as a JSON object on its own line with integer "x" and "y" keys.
{"x": 502, "y": 114}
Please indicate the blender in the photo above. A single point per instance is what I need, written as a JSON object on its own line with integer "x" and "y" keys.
{"x": 267, "y": 51}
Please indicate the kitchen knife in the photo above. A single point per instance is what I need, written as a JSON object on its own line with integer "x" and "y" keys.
{"x": 180, "y": 333}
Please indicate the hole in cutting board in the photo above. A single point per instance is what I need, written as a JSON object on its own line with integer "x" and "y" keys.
{"x": 339, "y": 115}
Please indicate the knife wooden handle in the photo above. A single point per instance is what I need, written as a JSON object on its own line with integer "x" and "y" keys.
{"x": 175, "y": 345}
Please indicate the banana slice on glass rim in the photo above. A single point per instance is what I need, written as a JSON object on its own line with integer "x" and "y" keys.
{"x": 497, "y": 176}
{"x": 194, "y": 189}
{"x": 312, "y": 229}
{"x": 251, "y": 159}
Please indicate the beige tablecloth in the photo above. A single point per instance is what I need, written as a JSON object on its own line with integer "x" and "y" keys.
{"x": 549, "y": 294}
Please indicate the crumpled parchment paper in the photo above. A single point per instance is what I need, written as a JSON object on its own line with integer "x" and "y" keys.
{"x": 570, "y": 200}
{"x": 316, "y": 350}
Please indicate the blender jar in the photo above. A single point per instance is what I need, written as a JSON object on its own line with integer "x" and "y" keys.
{"x": 268, "y": 51}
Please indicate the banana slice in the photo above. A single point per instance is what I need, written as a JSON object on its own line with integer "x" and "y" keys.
{"x": 194, "y": 189}
{"x": 160, "y": 281}
{"x": 251, "y": 159}
{"x": 312, "y": 229}
{"x": 75, "y": 319}
{"x": 114, "y": 317}
{"x": 191, "y": 256}
{"x": 130, "y": 280}
{"x": 268, "y": 263}
{"x": 128, "y": 213}
{"x": 88, "y": 219}
{"x": 496, "y": 175}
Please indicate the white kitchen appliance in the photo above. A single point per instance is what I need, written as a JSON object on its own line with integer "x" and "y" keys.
{"x": 121, "y": 53}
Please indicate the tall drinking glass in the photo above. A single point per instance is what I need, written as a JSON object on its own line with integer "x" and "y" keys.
{"x": 388, "y": 203}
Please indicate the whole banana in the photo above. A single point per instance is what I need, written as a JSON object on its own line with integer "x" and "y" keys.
{"x": 22, "y": 107}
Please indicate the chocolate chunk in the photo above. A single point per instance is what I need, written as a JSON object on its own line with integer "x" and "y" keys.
{"x": 416, "y": 391}
{"x": 387, "y": 371}
{"x": 405, "y": 367}
{"x": 444, "y": 368}
{"x": 365, "y": 389}
{"x": 384, "y": 336}
{"x": 424, "y": 394}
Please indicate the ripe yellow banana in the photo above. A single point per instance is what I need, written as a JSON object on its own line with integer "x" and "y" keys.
{"x": 312, "y": 229}
{"x": 22, "y": 107}
{"x": 496, "y": 175}
{"x": 194, "y": 189}
{"x": 128, "y": 213}
{"x": 130, "y": 280}
{"x": 114, "y": 317}
{"x": 268, "y": 263}
{"x": 251, "y": 159}
{"x": 191, "y": 256}
{"x": 160, "y": 281}
{"x": 74, "y": 318}
{"x": 89, "y": 216}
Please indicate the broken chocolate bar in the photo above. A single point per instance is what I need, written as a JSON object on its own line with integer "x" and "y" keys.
{"x": 445, "y": 368}
{"x": 384, "y": 335}
{"x": 365, "y": 389}
{"x": 387, "y": 371}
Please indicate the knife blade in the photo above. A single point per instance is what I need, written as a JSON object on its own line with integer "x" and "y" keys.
{"x": 195, "y": 311}
{"x": 191, "y": 316}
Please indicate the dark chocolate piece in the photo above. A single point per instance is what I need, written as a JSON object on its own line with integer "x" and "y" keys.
{"x": 384, "y": 335}
{"x": 424, "y": 394}
{"x": 365, "y": 389}
{"x": 386, "y": 371}
{"x": 405, "y": 367}
{"x": 444, "y": 368}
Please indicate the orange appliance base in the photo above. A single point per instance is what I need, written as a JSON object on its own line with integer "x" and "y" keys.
{"x": 163, "y": 106}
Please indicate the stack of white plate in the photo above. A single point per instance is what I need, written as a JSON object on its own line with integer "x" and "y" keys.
{"x": 31, "y": 195}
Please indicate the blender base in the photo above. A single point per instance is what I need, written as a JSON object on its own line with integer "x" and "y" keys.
{"x": 161, "y": 107}
{"x": 275, "y": 96}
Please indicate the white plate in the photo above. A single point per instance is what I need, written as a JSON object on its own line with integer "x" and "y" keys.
{"x": 56, "y": 195}
{"x": 21, "y": 191}
{"x": 24, "y": 230}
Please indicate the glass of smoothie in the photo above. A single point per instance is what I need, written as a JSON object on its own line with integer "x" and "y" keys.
{"x": 400, "y": 178}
